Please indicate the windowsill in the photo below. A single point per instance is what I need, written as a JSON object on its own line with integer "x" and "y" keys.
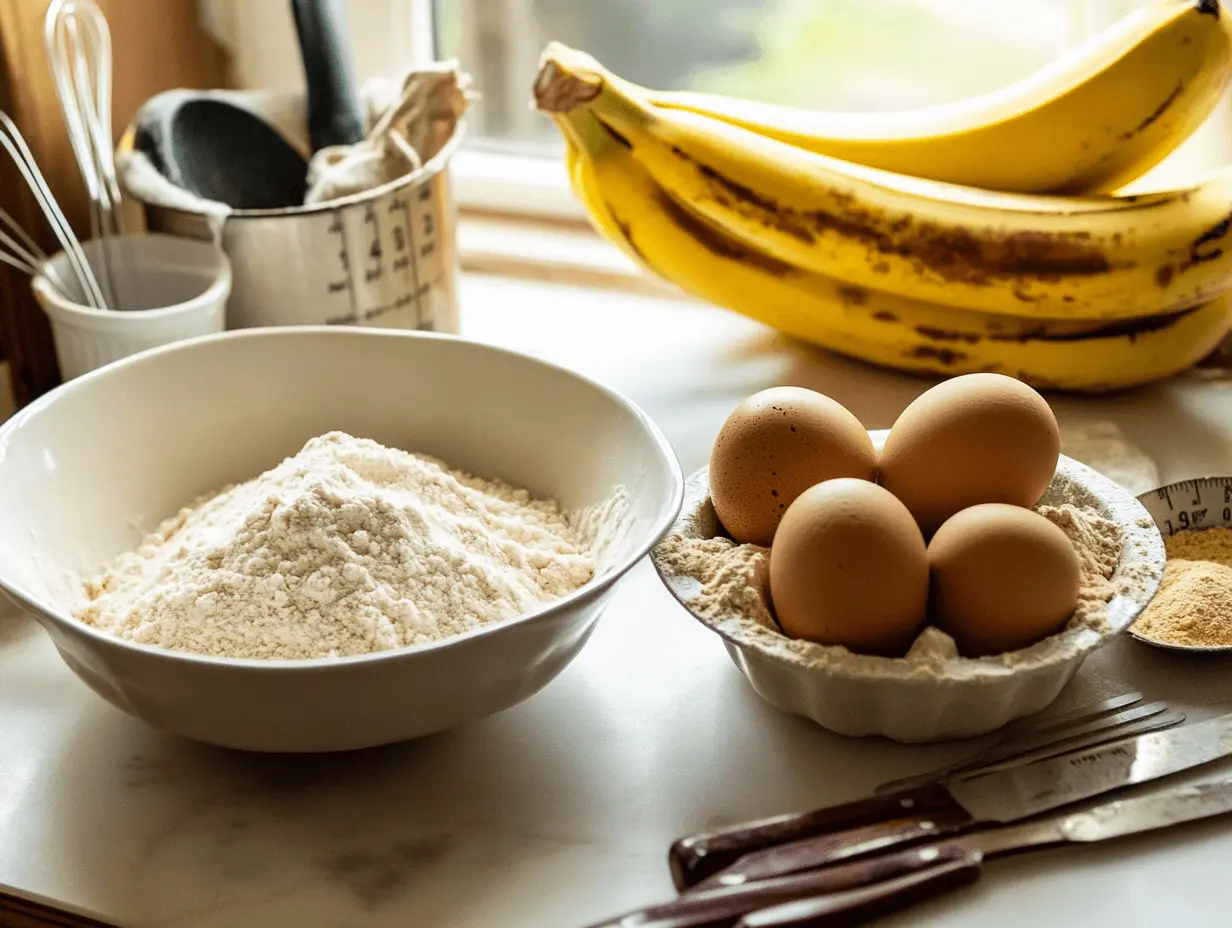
{"x": 557, "y": 251}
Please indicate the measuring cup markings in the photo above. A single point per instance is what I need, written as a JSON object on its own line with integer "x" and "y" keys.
{"x": 1191, "y": 504}
{"x": 424, "y": 239}
{"x": 342, "y": 285}
{"x": 390, "y": 263}
{"x": 404, "y": 243}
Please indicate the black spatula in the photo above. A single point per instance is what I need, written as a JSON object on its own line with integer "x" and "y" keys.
{"x": 334, "y": 115}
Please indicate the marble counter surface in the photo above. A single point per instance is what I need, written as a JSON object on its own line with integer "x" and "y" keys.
{"x": 558, "y": 812}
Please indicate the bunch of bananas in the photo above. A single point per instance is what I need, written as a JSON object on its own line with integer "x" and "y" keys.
{"x": 973, "y": 237}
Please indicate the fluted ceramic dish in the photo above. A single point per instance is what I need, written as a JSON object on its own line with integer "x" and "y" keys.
{"x": 88, "y": 469}
{"x": 861, "y": 695}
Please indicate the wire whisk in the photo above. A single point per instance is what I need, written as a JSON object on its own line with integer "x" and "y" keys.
{"x": 78, "y": 43}
{"x": 23, "y": 252}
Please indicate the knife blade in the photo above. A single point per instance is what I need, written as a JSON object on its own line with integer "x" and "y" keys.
{"x": 1109, "y": 727}
{"x": 847, "y": 893}
{"x": 897, "y": 819}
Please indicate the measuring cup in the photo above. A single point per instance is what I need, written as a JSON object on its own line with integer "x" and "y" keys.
{"x": 165, "y": 289}
{"x": 385, "y": 257}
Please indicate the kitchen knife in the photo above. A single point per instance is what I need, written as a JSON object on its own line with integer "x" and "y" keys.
{"x": 1112, "y": 727}
{"x": 896, "y": 819}
{"x": 960, "y": 858}
{"x": 850, "y": 893}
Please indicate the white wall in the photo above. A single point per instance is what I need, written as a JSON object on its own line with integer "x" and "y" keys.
{"x": 260, "y": 35}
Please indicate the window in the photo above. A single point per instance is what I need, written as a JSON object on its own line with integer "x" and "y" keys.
{"x": 833, "y": 54}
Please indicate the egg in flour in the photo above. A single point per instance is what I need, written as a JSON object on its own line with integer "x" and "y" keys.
{"x": 773, "y": 447}
{"x": 980, "y": 438}
{"x": 849, "y": 567}
{"x": 1003, "y": 578}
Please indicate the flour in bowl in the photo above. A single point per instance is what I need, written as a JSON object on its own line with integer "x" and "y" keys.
{"x": 348, "y": 547}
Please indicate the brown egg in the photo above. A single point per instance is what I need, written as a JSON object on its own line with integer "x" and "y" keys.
{"x": 773, "y": 447}
{"x": 1003, "y": 578}
{"x": 849, "y": 567}
{"x": 981, "y": 438}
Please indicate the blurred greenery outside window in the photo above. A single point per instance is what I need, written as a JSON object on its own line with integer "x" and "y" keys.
{"x": 850, "y": 55}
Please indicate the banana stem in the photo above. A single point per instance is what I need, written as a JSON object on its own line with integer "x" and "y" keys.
{"x": 567, "y": 79}
{"x": 570, "y": 80}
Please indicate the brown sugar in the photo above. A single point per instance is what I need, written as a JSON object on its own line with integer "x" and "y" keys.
{"x": 1193, "y": 607}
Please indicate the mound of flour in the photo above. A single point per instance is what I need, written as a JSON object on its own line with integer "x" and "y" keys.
{"x": 348, "y": 547}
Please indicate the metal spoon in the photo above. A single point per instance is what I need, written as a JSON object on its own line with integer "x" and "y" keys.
{"x": 220, "y": 151}
{"x": 1189, "y": 506}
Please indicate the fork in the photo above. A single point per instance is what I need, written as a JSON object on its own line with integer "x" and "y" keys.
{"x": 1083, "y": 728}
{"x": 694, "y": 858}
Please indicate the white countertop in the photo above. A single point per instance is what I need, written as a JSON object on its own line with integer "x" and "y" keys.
{"x": 559, "y": 811}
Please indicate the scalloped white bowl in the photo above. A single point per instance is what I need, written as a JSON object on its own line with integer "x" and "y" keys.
{"x": 88, "y": 469}
{"x": 860, "y": 695}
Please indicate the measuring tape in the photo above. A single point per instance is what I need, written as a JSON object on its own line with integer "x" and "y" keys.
{"x": 1191, "y": 505}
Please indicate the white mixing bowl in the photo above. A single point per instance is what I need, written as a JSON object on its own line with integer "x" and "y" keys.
{"x": 88, "y": 469}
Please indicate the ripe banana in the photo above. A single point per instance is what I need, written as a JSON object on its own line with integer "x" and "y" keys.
{"x": 627, "y": 206}
{"x": 1092, "y": 121}
{"x": 1016, "y": 254}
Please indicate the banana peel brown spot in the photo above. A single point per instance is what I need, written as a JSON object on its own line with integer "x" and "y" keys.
{"x": 883, "y": 315}
{"x": 768, "y": 211}
{"x": 1130, "y": 329}
{"x": 616, "y": 136}
{"x": 945, "y": 335}
{"x": 715, "y": 241}
{"x": 1155, "y": 116}
{"x": 851, "y": 295}
{"x": 626, "y": 232}
{"x": 1205, "y": 247}
{"x": 946, "y": 357}
{"x": 951, "y": 252}
{"x": 1164, "y": 275}
{"x": 958, "y": 254}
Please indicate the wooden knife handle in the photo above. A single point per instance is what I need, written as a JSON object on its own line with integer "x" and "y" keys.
{"x": 18, "y": 912}
{"x": 838, "y": 846}
{"x": 857, "y": 906}
{"x": 698, "y": 856}
{"x": 723, "y": 907}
